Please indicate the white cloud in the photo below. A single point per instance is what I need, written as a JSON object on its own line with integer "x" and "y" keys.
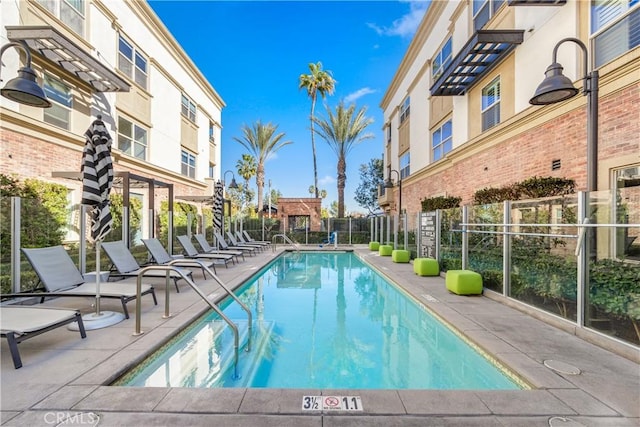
{"x": 352, "y": 97}
{"x": 327, "y": 179}
{"x": 272, "y": 156}
{"x": 406, "y": 25}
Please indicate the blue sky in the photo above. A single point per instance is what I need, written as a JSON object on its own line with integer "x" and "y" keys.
{"x": 253, "y": 52}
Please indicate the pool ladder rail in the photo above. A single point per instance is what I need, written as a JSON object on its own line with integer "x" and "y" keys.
{"x": 168, "y": 268}
{"x": 286, "y": 239}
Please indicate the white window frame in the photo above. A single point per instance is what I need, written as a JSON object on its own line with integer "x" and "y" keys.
{"x": 441, "y": 145}
{"x": 188, "y": 108}
{"x": 442, "y": 59}
{"x": 65, "y": 9}
{"x": 188, "y": 167}
{"x": 491, "y": 103}
{"x": 59, "y": 114}
{"x": 137, "y": 140}
{"x": 405, "y": 109}
{"x": 133, "y": 65}
{"x": 484, "y": 6}
{"x": 611, "y": 28}
{"x": 405, "y": 165}
{"x": 212, "y": 132}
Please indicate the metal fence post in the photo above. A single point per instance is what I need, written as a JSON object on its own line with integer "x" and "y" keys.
{"x": 15, "y": 243}
{"x": 465, "y": 237}
{"x": 506, "y": 249}
{"x": 583, "y": 260}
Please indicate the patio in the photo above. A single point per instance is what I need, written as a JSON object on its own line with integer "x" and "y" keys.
{"x": 65, "y": 377}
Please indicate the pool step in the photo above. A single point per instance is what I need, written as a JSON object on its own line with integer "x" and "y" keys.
{"x": 248, "y": 362}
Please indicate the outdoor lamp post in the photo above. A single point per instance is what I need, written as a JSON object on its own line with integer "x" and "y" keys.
{"x": 24, "y": 89}
{"x": 233, "y": 183}
{"x": 389, "y": 184}
{"x": 556, "y": 87}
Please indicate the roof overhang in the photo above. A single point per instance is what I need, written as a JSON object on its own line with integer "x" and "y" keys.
{"x": 536, "y": 2}
{"x": 49, "y": 43}
{"x": 483, "y": 51}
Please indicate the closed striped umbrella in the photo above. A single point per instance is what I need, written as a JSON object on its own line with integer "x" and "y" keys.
{"x": 218, "y": 207}
{"x": 97, "y": 178}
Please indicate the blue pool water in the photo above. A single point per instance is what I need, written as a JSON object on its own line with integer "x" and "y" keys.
{"x": 323, "y": 320}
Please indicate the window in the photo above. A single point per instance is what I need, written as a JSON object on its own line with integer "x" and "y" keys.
{"x": 132, "y": 63}
{"x": 616, "y": 25}
{"x": 483, "y": 11}
{"x": 132, "y": 139}
{"x": 441, "y": 141}
{"x": 188, "y": 164}
{"x": 405, "y": 109}
{"x": 189, "y": 110}
{"x": 388, "y": 132}
{"x": 491, "y": 104}
{"x": 71, "y": 12}
{"x": 441, "y": 60}
{"x": 404, "y": 165}
{"x": 62, "y": 102}
{"x": 212, "y": 132}
{"x": 211, "y": 167}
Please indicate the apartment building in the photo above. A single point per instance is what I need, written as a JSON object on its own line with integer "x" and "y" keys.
{"x": 457, "y": 113}
{"x": 115, "y": 60}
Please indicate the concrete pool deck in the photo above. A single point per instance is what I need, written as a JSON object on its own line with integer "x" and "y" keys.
{"x": 65, "y": 377}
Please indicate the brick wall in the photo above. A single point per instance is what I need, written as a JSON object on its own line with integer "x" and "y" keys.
{"x": 300, "y": 206}
{"x": 531, "y": 153}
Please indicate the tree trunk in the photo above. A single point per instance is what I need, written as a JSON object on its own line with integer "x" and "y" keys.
{"x": 260, "y": 184}
{"x": 313, "y": 146}
{"x": 342, "y": 180}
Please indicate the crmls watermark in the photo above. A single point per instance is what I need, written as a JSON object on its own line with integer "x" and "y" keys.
{"x": 60, "y": 418}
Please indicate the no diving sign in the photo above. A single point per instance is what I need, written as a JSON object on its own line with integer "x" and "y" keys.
{"x": 331, "y": 403}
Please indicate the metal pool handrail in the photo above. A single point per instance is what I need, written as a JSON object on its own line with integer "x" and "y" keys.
{"x": 285, "y": 238}
{"x": 168, "y": 268}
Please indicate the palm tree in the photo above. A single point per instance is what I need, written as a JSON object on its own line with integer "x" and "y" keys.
{"x": 262, "y": 141}
{"x": 246, "y": 168}
{"x": 318, "y": 82}
{"x": 342, "y": 131}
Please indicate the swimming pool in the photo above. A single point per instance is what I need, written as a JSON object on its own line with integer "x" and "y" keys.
{"x": 323, "y": 320}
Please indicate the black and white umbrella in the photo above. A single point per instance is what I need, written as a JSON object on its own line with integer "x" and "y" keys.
{"x": 97, "y": 180}
{"x": 218, "y": 207}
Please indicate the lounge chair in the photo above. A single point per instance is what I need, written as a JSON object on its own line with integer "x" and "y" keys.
{"x": 249, "y": 239}
{"x": 162, "y": 257}
{"x": 21, "y": 322}
{"x": 206, "y": 248}
{"x": 190, "y": 251}
{"x": 60, "y": 277}
{"x": 235, "y": 242}
{"x": 224, "y": 245}
{"x": 242, "y": 241}
{"x": 127, "y": 266}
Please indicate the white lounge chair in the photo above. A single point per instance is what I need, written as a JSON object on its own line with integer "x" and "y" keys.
{"x": 60, "y": 277}
{"x": 19, "y": 323}
{"x": 127, "y": 266}
{"x": 162, "y": 257}
{"x": 190, "y": 251}
{"x": 206, "y": 248}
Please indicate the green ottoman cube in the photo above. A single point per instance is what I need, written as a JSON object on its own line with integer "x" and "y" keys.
{"x": 374, "y": 246}
{"x": 426, "y": 267}
{"x": 385, "y": 250}
{"x": 400, "y": 255}
{"x": 464, "y": 282}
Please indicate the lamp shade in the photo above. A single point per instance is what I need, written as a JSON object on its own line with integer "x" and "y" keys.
{"x": 25, "y": 90}
{"x": 388, "y": 183}
{"x": 233, "y": 184}
{"x": 555, "y": 87}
